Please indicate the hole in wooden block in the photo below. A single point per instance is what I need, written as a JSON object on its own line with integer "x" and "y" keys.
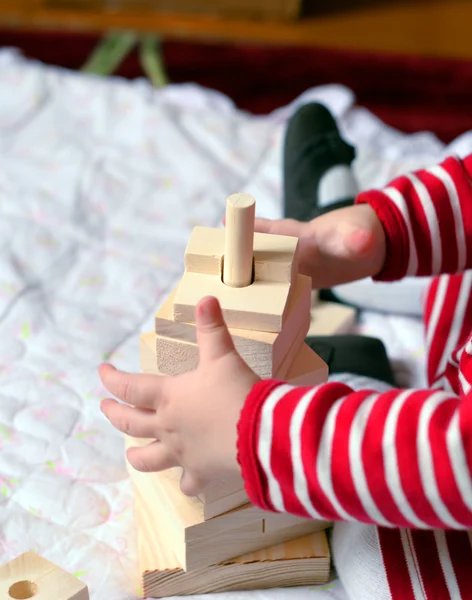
{"x": 22, "y": 590}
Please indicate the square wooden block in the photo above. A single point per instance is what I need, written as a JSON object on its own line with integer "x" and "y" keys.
{"x": 31, "y": 576}
{"x": 264, "y": 352}
{"x": 275, "y": 256}
{"x": 197, "y": 543}
{"x": 261, "y": 306}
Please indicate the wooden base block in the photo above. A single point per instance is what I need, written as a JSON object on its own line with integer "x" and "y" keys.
{"x": 302, "y": 561}
{"x": 31, "y": 576}
{"x": 330, "y": 318}
{"x": 197, "y": 543}
{"x": 264, "y": 352}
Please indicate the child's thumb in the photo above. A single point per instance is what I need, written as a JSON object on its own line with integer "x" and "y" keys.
{"x": 213, "y": 337}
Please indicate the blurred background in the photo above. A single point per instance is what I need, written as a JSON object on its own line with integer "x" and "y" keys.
{"x": 410, "y": 61}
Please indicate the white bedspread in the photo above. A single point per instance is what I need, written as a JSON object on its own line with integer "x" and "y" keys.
{"x": 101, "y": 182}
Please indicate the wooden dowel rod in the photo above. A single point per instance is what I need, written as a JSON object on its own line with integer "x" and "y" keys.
{"x": 239, "y": 240}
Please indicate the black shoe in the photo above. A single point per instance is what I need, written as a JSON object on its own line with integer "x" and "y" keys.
{"x": 313, "y": 145}
{"x": 356, "y": 354}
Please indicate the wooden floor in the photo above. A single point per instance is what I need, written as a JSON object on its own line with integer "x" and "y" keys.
{"x": 422, "y": 27}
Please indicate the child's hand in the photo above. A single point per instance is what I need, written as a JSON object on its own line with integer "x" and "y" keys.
{"x": 193, "y": 417}
{"x": 340, "y": 246}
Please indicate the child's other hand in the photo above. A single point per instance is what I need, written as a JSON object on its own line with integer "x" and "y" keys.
{"x": 340, "y": 246}
{"x": 193, "y": 417}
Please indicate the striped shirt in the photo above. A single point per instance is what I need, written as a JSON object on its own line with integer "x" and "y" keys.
{"x": 401, "y": 459}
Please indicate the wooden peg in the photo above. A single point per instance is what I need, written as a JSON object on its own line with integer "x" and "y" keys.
{"x": 239, "y": 240}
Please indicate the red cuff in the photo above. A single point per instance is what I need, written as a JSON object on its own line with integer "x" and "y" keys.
{"x": 255, "y": 481}
{"x": 396, "y": 235}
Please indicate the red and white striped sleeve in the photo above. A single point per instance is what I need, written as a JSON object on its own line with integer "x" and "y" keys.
{"x": 427, "y": 218}
{"x": 400, "y": 458}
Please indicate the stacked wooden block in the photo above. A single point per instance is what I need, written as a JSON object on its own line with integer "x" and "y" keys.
{"x": 189, "y": 545}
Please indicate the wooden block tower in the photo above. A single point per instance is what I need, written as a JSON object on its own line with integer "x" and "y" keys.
{"x": 189, "y": 545}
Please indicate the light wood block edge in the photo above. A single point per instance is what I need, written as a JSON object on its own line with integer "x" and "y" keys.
{"x": 330, "y": 318}
{"x": 298, "y": 562}
{"x": 264, "y": 352}
{"x": 197, "y": 543}
{"x": 275, "y": 256}
{"x": 32, "y": 576}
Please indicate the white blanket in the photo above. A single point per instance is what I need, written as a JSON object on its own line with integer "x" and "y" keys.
{"x": 101, "y": 182}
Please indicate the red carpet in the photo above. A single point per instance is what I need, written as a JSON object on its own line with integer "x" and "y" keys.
{"x": 408, "y": 93}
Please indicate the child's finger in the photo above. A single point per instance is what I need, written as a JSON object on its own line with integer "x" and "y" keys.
{"x": 150, "y": 458}
{"x": 279, "y": 227}
{"x": 264, "y": 225}
{"x": 136, "y": 422}
{"x": 136, "y": 389}
{"x": 213, "y": 337}
{"x": 190, "y": 485}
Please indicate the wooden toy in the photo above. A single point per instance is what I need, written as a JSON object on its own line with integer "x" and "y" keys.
{"x": 187, "y": 545}
{"x": 263, "y": 351}
{"x": 31, "y": 576}
{"x": 301, "y": 561}
{"x": 260, "y": 306}
{"x": 197, "y": 542}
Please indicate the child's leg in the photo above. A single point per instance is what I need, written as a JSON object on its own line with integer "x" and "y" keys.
{"x": 358, "y": 561}
{"x": 376, "y": 563}
{"x": 318, "y": 178}
{"x": 362, "y": 355}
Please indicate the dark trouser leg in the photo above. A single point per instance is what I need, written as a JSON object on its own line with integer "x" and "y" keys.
{"x": 356, "y": 354}
{"x": 313, "y": 146}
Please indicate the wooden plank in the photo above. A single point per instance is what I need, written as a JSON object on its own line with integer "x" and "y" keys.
{"x": 402, "y": 28}
{"x": 264, "y": 9}
{"x": 303, "y": 561}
